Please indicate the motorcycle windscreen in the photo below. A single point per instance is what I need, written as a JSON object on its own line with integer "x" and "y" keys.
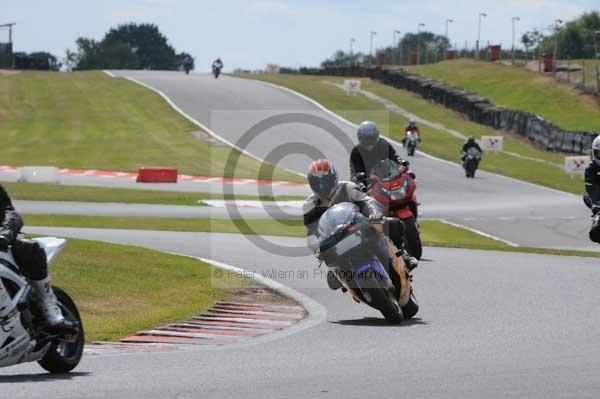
{"x": 386, "y": 170}
{"x": 335, "y": 218}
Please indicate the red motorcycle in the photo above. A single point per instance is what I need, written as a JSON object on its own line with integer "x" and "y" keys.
{"x": 394, "y": 187}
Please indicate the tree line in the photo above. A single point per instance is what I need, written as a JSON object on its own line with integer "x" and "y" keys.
{"x": 128, "y": 46}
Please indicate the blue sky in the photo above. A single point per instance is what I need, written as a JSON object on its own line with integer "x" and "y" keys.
{"x": 251, "y": 34}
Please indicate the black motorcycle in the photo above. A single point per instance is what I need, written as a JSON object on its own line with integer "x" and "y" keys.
{"x": 471, "y": 161}
{"x": 365, "y": 262}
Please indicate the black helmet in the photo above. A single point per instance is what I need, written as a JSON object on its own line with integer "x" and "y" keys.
{"x": 322, "y": 177}
{"x": 471, "y": 139}
{"x": 368, "y": 135}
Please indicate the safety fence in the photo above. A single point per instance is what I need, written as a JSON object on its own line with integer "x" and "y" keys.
{"x": 475, "y": 107}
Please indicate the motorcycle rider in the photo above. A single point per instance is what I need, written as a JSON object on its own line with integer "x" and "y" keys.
{"x": 370, "y": 150}
{"x": 470, "y": 143}
{"x": 188, "y": 61}
{"x": 31, "y": 259}
{"x": 412, "y": 127}
{"x": 218, "y": 64}
{"x": 329, "y": 191}
{"x": 592, "y": 188}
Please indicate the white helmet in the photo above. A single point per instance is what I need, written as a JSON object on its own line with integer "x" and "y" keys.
{"x": 596, "y": 150}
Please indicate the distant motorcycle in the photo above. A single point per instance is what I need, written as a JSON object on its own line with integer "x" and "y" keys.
{"x": 412, "y": 142}
{"x": 216, "y": 71}
{"x": 187, "y": 68}
{"x": 24, "y": 335}
{"x": 364, "y": 262}
{"x": 471, "y": 161}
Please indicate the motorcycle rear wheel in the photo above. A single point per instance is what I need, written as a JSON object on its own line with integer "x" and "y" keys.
{"x": 62, "y": 356}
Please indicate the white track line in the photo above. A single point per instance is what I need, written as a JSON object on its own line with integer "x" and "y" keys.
{"x": 479, "y": 232}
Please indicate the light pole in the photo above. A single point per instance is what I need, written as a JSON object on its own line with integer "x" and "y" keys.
{"x": 421, "y": 25}
{"x": 352, "y": 40}
{"x": 514, "y": 20}
{"x": 484, "y": 15}
{"x": 557, "y": 23}
{"x": 395, "y": 44}
{"x": 373, "y": 33}
{"x": 448, "y": 22}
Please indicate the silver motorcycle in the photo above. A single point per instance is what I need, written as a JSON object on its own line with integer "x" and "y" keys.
{"x": 24, "y": 333}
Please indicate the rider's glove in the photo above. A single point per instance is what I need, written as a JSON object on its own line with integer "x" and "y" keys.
{"x": 375, "y": 216}
{"x": 317, "y": 253}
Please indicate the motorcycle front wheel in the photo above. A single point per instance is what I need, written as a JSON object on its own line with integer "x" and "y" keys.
{"x": 65, "y": 353}
{"x": 381, "y": 300}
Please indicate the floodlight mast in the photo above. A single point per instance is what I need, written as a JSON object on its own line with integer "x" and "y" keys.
{"x": 9, "y": 26}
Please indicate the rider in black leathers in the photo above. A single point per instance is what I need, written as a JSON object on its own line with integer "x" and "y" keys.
{"x": 471, "y": 143}
{"x": 370, "y": 150}
{"x": 31, "y": 259}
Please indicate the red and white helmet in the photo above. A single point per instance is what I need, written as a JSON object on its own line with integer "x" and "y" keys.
{"x": 322, "y": 177}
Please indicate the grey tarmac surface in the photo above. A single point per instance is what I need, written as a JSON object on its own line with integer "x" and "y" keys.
{"x": 491, "y": 325}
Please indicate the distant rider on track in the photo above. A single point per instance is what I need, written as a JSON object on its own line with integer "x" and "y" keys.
{"x": 471, "y": 143}
{"x": 412, "y": 127}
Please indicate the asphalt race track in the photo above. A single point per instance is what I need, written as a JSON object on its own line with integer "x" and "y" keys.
{"x": 491, "y": 324}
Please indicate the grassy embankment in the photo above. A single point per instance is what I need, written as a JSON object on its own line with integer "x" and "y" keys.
{"x": 90, "y": 121}
{"x": 518, "y": 89}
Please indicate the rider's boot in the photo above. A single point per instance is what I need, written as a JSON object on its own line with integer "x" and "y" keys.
{"x": 332, "y": 281}
{"x": 48, "y": 303}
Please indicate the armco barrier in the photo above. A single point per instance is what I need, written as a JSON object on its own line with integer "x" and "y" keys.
{"x": 157, "y": 175}
{"x": 475, "y": 107}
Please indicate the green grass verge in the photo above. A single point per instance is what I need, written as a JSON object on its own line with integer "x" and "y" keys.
{"x": 120, "y": 289}
{"x": 55, "y": 192}
{"x": 433, "y": 232}
{"x": 88, "y": 120}
{"x": 435, "y": 142}
{"x": 518, "y": 88}
{"x": 293, "y": 228}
